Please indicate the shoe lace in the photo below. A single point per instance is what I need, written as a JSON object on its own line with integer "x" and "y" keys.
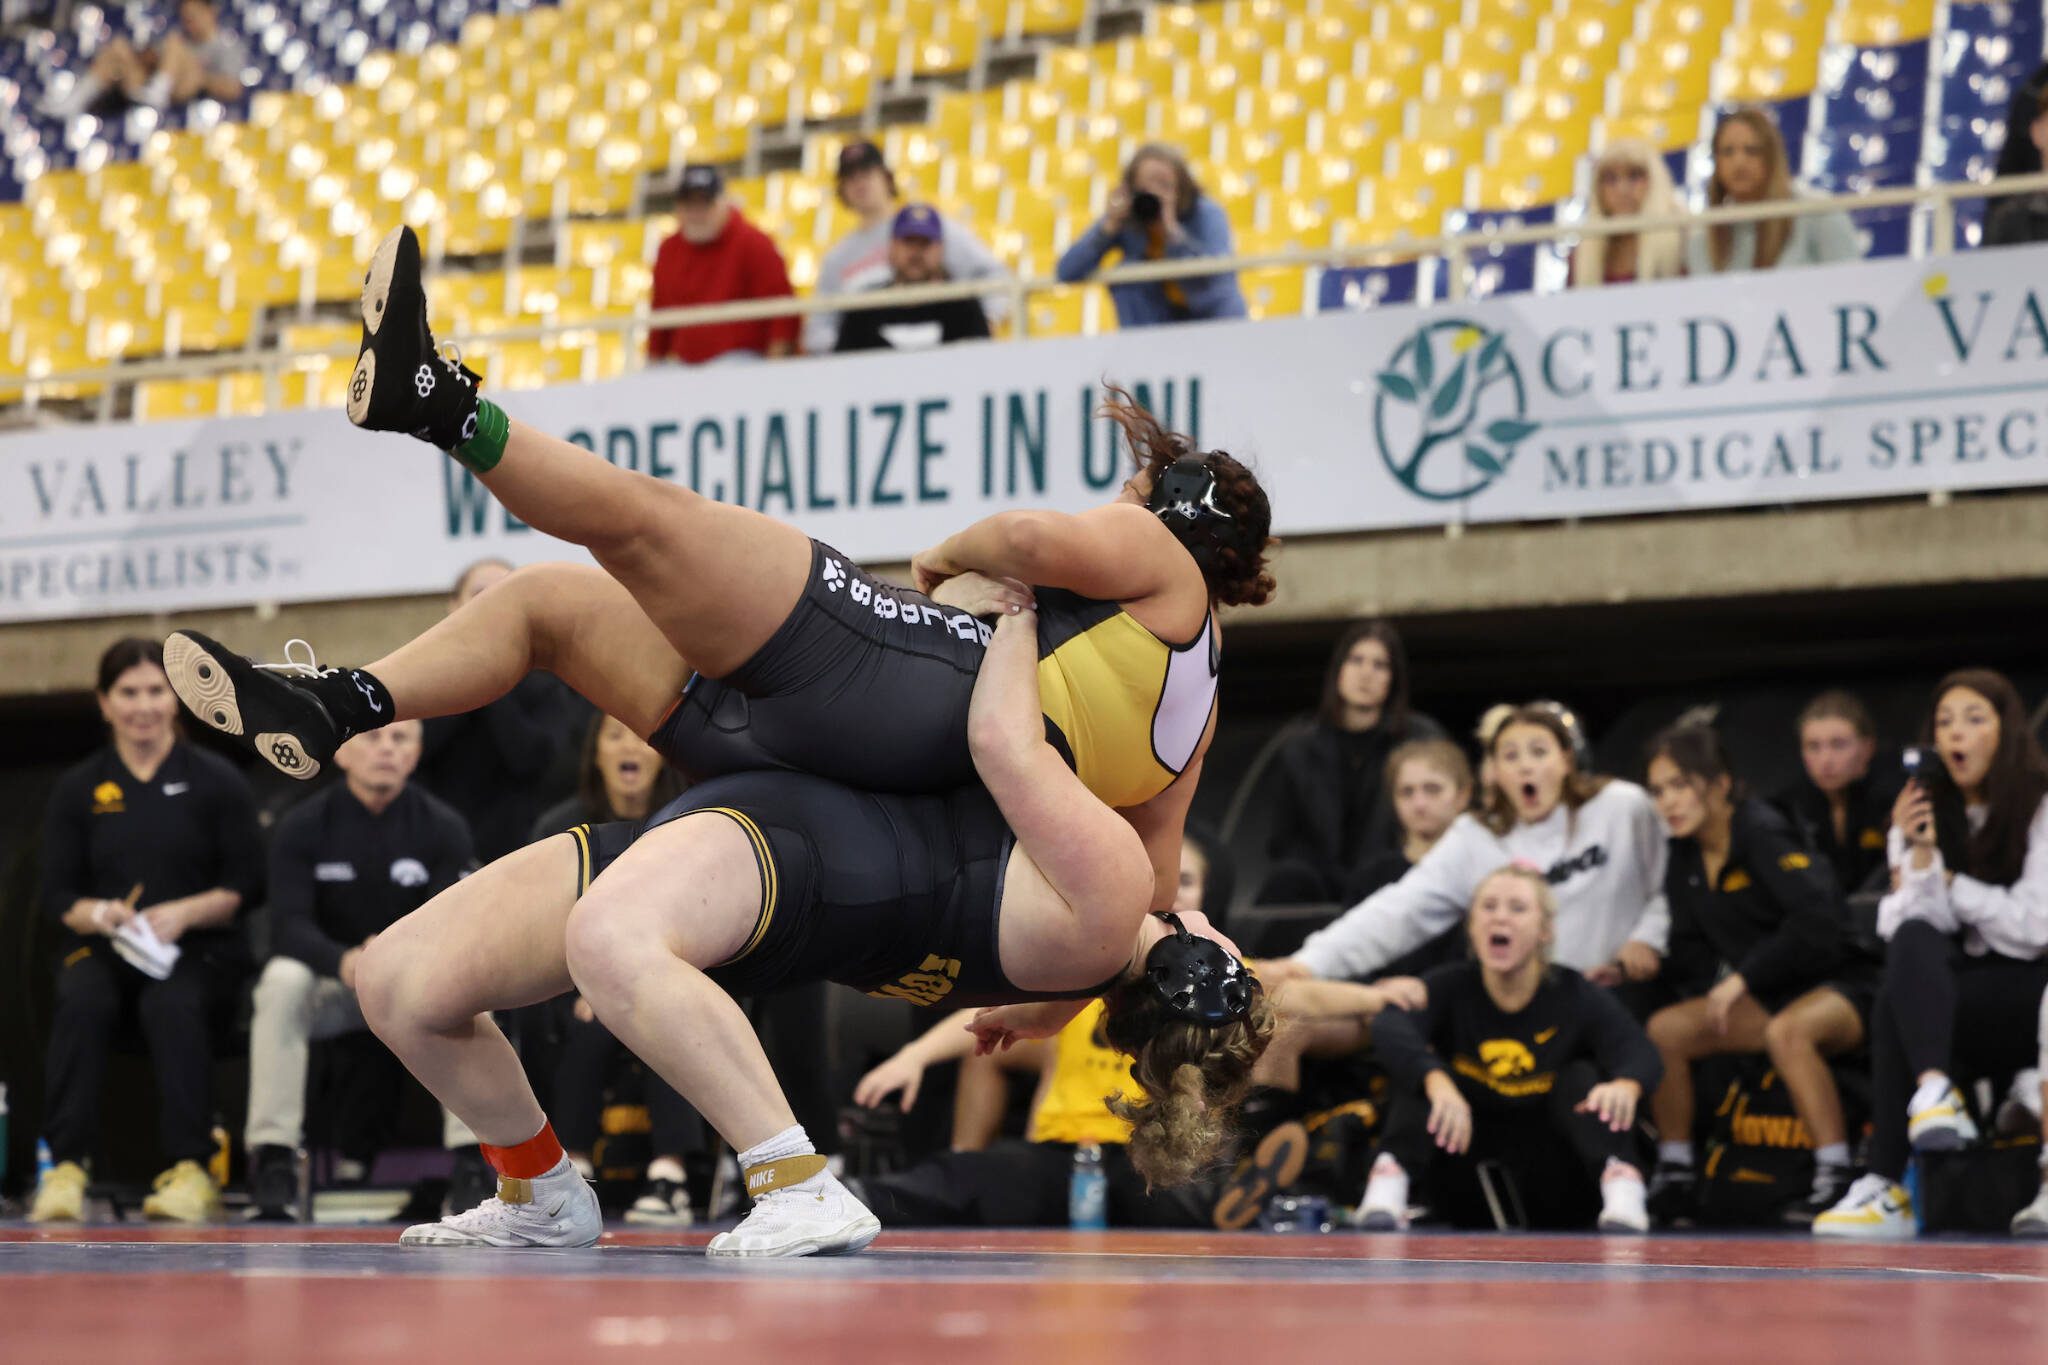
{"x": 309, "y": 667}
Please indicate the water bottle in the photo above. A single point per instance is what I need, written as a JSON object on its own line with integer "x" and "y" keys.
{"x": 1088, "y": 1190}
{"x": 44, "y": 1164}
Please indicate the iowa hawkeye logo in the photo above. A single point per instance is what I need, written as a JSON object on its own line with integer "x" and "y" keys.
{"x": 1450, "y": 410}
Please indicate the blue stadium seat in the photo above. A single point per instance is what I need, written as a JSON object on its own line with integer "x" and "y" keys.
{"x": 1360, "y": 287}
{"x": 1500, "y": 269}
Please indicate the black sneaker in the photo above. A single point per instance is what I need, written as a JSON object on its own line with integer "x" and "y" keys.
{"x": 402, "y": 382}
{"x": 662, "y": 1203}
{"x": 1673, "y": 1198}
{"x": 274, "y": 1185}
{"x": 470, "y": 1183}
{"x": 1830, "y": 1183}
{"x": 283, "y": 721}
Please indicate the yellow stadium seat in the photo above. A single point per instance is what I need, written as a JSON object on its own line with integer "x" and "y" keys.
{"x": 1882, "y": 23}
{"x": 160, "y": 400}
{"x": 1082, "y": 310}
{"x": 1520, "y": 185}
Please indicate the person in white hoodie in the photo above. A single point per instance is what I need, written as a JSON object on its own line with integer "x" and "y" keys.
{"x": 860, "y": 260}
{"x": 1598, "y": 840}
{"x": 1967, "y": 921}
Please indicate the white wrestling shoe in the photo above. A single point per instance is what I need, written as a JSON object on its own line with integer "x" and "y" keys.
{"x": 819, "y": 1217}
{"x": 1624, "y": 1199}
{"x": 1385, "y": 1206}
{"x": 558, "y": 1210}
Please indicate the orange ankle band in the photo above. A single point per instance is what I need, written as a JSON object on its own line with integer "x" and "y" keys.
{"x": 534, "y": 1157}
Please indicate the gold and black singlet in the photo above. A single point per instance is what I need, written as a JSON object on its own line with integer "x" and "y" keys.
{"x": 869, "y": 684}
{"x": 1126, "y": 708}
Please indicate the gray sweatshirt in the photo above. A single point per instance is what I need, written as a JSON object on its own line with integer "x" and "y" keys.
{"x": 860, "y": 261}
{"x": 1605, "y": 861}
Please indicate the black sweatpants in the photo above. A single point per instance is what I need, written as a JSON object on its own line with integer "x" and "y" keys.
{"x": 1021, "y": 1184}
{"x": 1555, "y": 1156}
{"x": 1943, "y": 1010}
{"x": 94, "y": 990}
{"x": 589, "y": 1056}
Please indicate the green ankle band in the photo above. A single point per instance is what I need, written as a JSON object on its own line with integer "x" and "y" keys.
{"x": 482, "y": 451}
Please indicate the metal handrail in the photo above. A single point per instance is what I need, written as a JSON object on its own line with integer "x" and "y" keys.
{"x": 1451, "y": 247}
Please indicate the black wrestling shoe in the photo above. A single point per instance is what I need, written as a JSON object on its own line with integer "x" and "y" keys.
{"x": 273, "y": 1185}
{"x": 402, "y": 382}
{"x": 282, "y": 720}
{"x": 1674, "y": 1198}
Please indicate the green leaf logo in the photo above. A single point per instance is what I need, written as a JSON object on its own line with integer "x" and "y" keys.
{"x": 1450, "y": 410}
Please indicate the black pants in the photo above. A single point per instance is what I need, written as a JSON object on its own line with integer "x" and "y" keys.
{"x": 1943, "y": 1010}
{"x": 1024, "y": 1185}
{"x": 589, "y": 1055}
{"x": 1555, "y": 1156}
{"x": 94, "y": 991}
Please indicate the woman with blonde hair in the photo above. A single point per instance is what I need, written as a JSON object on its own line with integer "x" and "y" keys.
{"x": 1629, "y": 179}
{"x": 1517, "y": 1061}
{"x": 1750, "y": 167}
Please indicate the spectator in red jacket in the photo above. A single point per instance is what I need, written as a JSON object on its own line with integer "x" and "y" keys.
{"x": 717, "y": 256}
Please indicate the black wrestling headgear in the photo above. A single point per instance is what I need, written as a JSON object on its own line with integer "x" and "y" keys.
{"x": 1186, "y": 492}
{"x": 1197, "y": 979}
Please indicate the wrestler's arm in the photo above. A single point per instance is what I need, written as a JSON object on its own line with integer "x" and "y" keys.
{"x": 1087, "y": 853}
{"x": 1115, "y": 553}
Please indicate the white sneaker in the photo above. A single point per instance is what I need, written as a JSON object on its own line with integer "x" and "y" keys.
{"x": 2032, "y": 1221}
{"x": 1873, "y": 1208}
{"x": 1385, "y": 1206}
{"x": 1624, "y": 1199}
{"x": 1941, "y": 1125}
{"x": 2020, "y": 1115}
{"x": 817, "y": 1217}
{"x": 557, "y": 1210}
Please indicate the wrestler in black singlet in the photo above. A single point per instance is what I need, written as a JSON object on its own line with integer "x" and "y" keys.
{"x": 897, "y": 896}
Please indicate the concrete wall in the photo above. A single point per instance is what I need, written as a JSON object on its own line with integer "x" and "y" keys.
{"x": 1919, "y": 543}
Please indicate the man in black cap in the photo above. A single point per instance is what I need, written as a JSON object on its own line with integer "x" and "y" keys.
{"x": 860, "y": 260}
{"x": 717, "y": 256}
{"x": 916, "y": 256}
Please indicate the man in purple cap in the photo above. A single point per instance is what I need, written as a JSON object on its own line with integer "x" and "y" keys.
{"x": 917, "y": 255}
{"x": 860, "y": 260}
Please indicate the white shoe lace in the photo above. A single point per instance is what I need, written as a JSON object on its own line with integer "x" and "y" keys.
{"x": 1867, "y": 1190}
{"x": 309, "y": 667}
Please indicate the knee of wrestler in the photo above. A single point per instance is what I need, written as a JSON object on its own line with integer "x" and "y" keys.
{"x": 382, "y": 988}
{"x": 601, "y": 947}
{"x": 285, "y": 990}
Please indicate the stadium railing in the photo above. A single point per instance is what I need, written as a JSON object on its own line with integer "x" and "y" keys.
{"x": 1452, "y": 249}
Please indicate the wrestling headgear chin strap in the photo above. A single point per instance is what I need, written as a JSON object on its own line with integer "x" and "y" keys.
{"x": 1197, "y": 979}
{"x": 1186, "y": 492}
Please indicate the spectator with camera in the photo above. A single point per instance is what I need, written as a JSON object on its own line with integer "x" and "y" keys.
{"x": 1512, "y": 1063}
{"x": 1598, "y": 840}
{"x": 916, "y": 256}
{"x": 620, "y": 777}
{"x": 1967, "y": 921}
{"x": 1760, "y": 948}
{"x": 150, "y": 849}
{"x": 1333, "y": 822}
{"x": 1843, "y": 804}
{"x": 1157, "y": 213}
{"x": 347, "y": 863}
{"x": 862, "y": 259}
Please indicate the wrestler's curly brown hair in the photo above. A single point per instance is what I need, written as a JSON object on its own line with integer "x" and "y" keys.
{"x": 1193, "y": 1078}
{"x": 1231, "y": 553}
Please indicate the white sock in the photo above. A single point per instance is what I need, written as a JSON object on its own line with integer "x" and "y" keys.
{"x": 1833, "y": 1154}
{"x": 665, "y": 1168}
{"x": 1675, "y": 1154}
{"x": 1930, "y": 1093}
{"x": 791, "y": 1141}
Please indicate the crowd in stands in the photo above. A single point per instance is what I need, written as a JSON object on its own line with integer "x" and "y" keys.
{"x": 1525, "y": 998}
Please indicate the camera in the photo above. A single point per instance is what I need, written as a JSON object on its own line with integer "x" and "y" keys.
{"x": 1145, "y": 206}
